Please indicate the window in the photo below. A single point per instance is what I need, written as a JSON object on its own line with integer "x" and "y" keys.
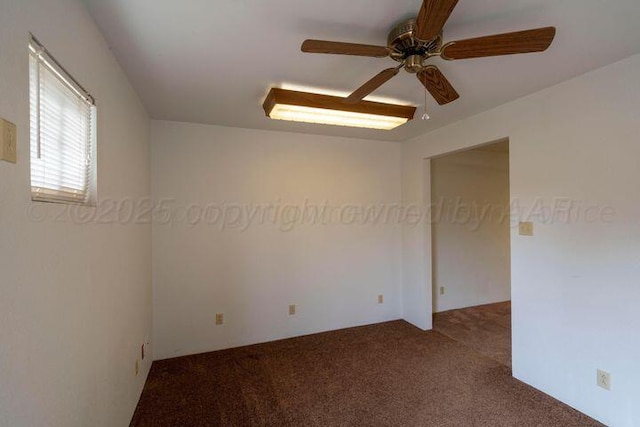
{"x": 63, "y": 129}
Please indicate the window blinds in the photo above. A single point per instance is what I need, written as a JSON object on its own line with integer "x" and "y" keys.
{"x": 62, "y": 132}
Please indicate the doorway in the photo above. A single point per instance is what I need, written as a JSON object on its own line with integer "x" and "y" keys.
{"x": 470, "y": 231}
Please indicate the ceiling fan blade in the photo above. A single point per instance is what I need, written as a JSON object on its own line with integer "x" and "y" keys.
{"x": 437, "y": 85}
{"x": 537, "y": 40}
{"x": 339, "y": 48}
{"x": 432, "y": 17}
{"x": 372, "y": 85}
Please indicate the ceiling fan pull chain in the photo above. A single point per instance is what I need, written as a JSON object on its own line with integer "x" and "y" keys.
{"x": 425, "y": 116}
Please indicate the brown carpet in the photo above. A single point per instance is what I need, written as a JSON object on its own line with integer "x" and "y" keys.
{"x": 391, "y": 374}
{"x": 485, "y": 329}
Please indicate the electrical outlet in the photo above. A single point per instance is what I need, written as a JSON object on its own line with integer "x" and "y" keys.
{"x": 380, "y": 299}
{"x": 292, "y": 309}
{"x": 526, "y": 229}
{"x": 441, "y": 290}
{"x": 220, "y": 319}
{"x": 604, "y": 380}
{"x": 7, "y": 141}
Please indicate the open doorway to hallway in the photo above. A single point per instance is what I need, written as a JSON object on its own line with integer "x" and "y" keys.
{"x": 471, "y": 248}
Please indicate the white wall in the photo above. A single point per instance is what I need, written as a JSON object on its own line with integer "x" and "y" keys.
{"x": 75, "y": 300}
{"x": 333, "y": 272}
{"x": 575, "y": 290}
{"x": 470, "y": 230}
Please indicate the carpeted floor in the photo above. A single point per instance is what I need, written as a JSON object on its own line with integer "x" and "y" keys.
{"x": 391, "y": 374}
{"x": 485, "y": 329}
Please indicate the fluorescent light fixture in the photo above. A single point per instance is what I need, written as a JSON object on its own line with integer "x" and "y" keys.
{"x": 339, "y": 93}
{"x": 331, "y": 110}
{"x": 296, "y": 113}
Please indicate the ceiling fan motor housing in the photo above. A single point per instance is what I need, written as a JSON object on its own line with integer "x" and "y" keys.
{"x": 409, "y": 50}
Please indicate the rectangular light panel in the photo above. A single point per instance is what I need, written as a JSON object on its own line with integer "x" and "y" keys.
{"x": 324, "y": 109}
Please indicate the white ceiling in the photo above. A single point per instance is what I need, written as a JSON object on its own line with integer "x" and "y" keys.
{"x": 213, "y": 61}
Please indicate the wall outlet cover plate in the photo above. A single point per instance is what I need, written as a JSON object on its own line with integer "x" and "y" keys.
{"x": 220, "y": 319}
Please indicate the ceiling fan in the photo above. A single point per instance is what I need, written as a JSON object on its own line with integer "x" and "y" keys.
{"x": 413, "y": 42}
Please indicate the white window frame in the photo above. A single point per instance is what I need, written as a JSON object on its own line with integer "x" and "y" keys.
{"x": 63, "y": 154}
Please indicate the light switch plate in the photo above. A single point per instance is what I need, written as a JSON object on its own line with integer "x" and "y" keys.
{"x": 7, "y": 141}
{"x": 604, "y": 380}
{"x": 526, "y": 229}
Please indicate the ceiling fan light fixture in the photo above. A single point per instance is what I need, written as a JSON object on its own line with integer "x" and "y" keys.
{"x": 282, "y": 104}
